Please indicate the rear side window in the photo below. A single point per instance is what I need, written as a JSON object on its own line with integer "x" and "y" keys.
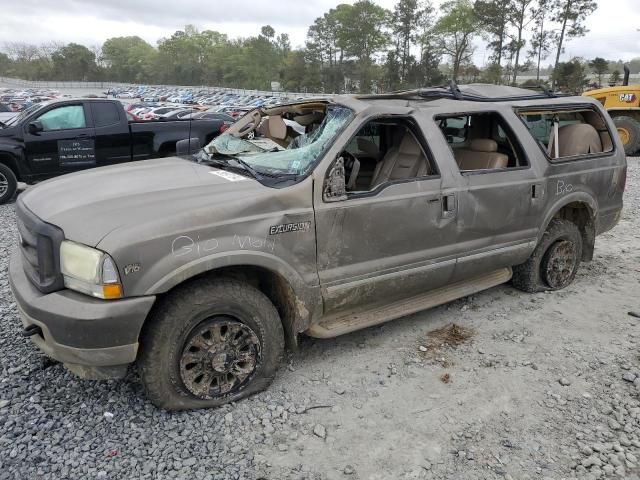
{"x": 568, "y": 134}
{"x": 482, "y": 142}
{"x": 104, "y": 114}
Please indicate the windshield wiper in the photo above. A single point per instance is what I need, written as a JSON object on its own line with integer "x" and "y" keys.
{"x": 248, "y": 168}
{"x": 224, "y": 161}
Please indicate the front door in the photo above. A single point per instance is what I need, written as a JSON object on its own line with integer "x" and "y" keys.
{"x": 395, "y": 239}
{"x": 66, "y": 142}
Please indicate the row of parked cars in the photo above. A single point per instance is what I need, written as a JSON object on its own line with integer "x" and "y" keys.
{"x": 207, "y": 97}
{"x": 13, "y": 101}
{"x": 148, "y": 111}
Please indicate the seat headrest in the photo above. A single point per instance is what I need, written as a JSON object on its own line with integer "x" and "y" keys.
{"x": 409, "y": 145}
{"x": 309, "y": 118}
{"x": 483, "y": 145}
{"x": 276, "y": 128}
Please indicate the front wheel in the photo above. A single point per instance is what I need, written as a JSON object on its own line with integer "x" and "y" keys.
{"x": 8, "y": 184}
{"x": 555, "y": 261}
{"x": 208, "y": 343}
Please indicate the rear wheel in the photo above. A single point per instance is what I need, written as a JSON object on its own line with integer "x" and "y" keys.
{"x": 629, "y": 132}
{"x": 555, "y": 261}
{"x": 208, "y": 343}
{"x": 8, "y": 184}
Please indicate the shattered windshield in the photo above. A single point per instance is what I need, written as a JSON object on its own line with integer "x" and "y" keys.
{"x": 296, "y": 158}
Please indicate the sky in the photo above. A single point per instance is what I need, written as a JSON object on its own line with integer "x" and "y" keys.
{"x": 614, "y": 27}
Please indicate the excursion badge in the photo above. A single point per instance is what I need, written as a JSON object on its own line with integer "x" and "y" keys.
{"x": 289, "y": 227}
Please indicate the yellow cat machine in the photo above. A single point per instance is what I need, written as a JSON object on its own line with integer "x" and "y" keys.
{"x": 623, "y": 104}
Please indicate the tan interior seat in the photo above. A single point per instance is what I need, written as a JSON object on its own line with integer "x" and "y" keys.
{"x": 368, "y": 147}
{"x": 404, "y": 161}
{"x": 482, "y": 154}
{"x": 576, "y": 139}
{"x": 275, "y": 129}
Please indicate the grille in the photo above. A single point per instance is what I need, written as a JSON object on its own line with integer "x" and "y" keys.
{"x": 40, "y": 247}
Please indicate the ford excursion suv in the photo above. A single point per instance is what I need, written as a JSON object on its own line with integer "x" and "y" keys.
{"x": 345, "y": 212}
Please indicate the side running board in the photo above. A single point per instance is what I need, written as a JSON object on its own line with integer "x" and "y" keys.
{"x": 347, "y": 322}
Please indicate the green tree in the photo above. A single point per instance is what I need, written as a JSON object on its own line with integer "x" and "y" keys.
{"x": 294, "y": 71}
{"x": 492, "y": 74}
{"x": 493, "y": 21}
{"x": 571, "y": 15}
{"x": 6, "y": 64}
{"x": 31, "y": 62}
{"x": 362, "y": 35}
{"x": 614, "y": 78}
{"x": 542, "y": 39}
{"x": 405, "y": 21}
{"x": 392, "y": 67}
{"x": 128, "y": 59}
{"x": 455, "y": 31}
{"x": 426, "y": 72}
{"x": 570, "y": 76}
{"x": 326, "y": 47}
{"x": 599, "y": 66}
{"x": 519, "y": 18}
{"x": 74, "y": 62}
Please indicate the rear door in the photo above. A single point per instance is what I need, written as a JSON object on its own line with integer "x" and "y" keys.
{"x": 499, "y": 206}
{"x": 66, "y": 142}
{"x": 113, "y": 138}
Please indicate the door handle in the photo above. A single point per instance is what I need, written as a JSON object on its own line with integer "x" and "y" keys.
{"x": 449, "y": 205}
{"x": 82, "y": 135}
{"x": 537, "y": 190}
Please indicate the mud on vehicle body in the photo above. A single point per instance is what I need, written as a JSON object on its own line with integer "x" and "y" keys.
{"x": 202, "y": 269}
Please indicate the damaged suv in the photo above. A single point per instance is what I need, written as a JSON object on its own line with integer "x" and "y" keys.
{"x": 343, "y": 213}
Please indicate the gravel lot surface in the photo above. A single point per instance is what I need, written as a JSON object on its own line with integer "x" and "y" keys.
{"x": 546, "y": 387}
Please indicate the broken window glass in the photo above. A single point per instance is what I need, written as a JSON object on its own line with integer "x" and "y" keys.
{"x": 299, "y": 156}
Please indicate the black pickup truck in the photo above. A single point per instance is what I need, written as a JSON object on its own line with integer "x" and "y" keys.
{"x": 63, "y": 136}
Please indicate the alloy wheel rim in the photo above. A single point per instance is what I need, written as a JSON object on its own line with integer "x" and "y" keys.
{"x": 220, "y": 356}
{"x": 4, "y": 185}
{"x": 560, "y": 264}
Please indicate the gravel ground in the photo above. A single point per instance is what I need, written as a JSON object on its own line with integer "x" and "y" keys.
{"x": 547, "y": 387}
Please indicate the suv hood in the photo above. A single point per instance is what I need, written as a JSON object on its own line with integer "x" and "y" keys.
{"x": 88, "y": 205}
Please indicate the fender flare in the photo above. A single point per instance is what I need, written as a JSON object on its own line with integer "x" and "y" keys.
{"x": 307, "y": 298}
{"x": 574, "y": 197}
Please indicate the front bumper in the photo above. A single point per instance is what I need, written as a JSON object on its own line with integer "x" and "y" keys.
{"x": 79, "y": 330}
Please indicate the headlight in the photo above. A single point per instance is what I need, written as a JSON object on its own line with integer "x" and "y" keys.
{"x": 89, "y": 271}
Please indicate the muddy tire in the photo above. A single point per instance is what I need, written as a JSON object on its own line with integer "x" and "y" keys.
{"x": 629, "y": 132}
{"x": 8, "y": 184}
{"x": 555, "y": 261}
{"x": 208, "y": 343}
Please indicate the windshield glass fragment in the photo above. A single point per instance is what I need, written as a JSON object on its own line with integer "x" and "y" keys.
{"x": 280, "y": 149}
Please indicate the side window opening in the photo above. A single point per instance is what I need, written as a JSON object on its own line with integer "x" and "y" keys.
{"x": 563, "y": 134}
{"x": 383, "y": 151}
{"x": 104, "y": 114}
{"x": 482, "y": 141}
